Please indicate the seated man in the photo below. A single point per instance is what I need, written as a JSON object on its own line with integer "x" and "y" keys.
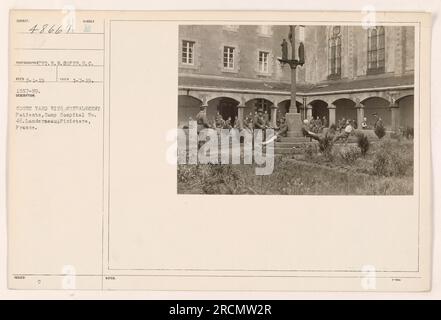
{"x": 313, "y": 135}
{"x": 236, "y": 123}
{"x": 283, "y": 129}
{"x": 346, "y": 133}
{"x": 227, "y": 124}
{"x": 282, "y": 132}
{"x": 259, "y": 121}
{"x": 219, "y": 121}
{"x": 364, "y": 124}
{"x": 201, "y": 119}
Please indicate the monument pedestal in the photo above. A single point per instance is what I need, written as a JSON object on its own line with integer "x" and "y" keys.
{"x": 294, "y": 122}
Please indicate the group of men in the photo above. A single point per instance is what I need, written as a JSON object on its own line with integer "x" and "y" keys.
{"x": 260, "y": 120}
{"x": 378, "y": 122}
{"x": 317, "y": 125}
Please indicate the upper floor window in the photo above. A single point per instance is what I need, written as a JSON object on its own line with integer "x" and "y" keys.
{"x": 263, "y": 61}
{"x": 334, "y": 51}
{"x": 188, "y": 52}
{"x": 264, "y": 30}
{"x": 228, "y": 57}
{"x": 376, "y": 51}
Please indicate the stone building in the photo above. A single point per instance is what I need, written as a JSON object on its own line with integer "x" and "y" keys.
{"x": 349, "y": 72}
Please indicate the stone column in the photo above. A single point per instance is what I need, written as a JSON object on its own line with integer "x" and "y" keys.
{"x": 274, "y": 116}
{"x": 395, "y": 116}
{"x": 309, "y": 112}
{"x": 240, "y": 111}
{"x": 294, "y": 122}
{"x": 331, "y": 109}
{"x": 360, "y": 113}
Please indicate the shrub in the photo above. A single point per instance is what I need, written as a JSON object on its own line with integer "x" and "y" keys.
{"x": 310, "y": 150}
{"x": 391, "y": 161}
{"x": 396, "y": 136}
{"x": 363, "y": 143}
{"x": 220, "y": 179}
{"x": 350, "y": 154}
{"x": 380, "y": 132}
{"x": 325, "y": 143}
{"x": 408, "y": 133}
{"x": 188, "y": 173}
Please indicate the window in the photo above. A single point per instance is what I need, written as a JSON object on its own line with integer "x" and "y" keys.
{"x": 228, "y": 58}
{"x": 376, "y": 53}
{"x": 335, "y": 53}
{"x": 263, "y": 61}
{"x": 188, "y": 52}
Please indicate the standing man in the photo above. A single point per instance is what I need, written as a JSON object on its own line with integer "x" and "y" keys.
{"x": 325, "y": 122}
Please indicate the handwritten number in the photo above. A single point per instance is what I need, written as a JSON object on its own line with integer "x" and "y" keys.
{"x": 43, "y": 28}
{"x": 46, "y": 28}
{"x": 33, "y": 29}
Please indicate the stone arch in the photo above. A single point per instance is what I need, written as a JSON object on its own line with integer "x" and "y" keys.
{"x": 285, "y": 106}
{"x": 406, "y": 106}
{"x": 188, "y": 108}
{"x": 319, "y": 109}
{"x": 252, "y": 105}
{"x": 345, "y": 108}
{"x": 225, "y": 105}
{"x": 381, "y": 107}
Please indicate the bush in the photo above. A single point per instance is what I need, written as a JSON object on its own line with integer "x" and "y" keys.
{"x": 380, "y": 132}
{"x": 310, "y": 150}
{"x": 350, "y": 154}
{"x": 363, "y": 143}
{"x": 188, "y": 173}
{"x": 408, "y": 133}
{"x": 391, "y": 161}
{"x": 396, "y": 136}
{"x": 325, "y": 144}
{"x": 221, "y": 179}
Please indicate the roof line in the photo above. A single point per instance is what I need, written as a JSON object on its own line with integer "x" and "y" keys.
{"x": 211, "y": 89}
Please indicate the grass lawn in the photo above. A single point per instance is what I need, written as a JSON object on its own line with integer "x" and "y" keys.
{"x": 386, "y": 169}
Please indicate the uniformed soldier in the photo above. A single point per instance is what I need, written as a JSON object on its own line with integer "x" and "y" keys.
{"x": 266, "y": 118}
{"x": 227, "y": 124}
{"x": 220, "y": 122}
{"x": 378, "y": 121}
{"x": 236, "y": 123}
{"x": 364, "y": 124}
{"x": 283, "y": 128}
{"x": 346, "y": 133}
{"x": 201, "y": 118}
{"x": 259, "y": 121}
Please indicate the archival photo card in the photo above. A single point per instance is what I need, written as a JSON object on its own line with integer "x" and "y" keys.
{"x": 220, "y": 151}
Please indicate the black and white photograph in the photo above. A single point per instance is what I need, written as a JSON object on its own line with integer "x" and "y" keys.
{"x": 350, "y": 131}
